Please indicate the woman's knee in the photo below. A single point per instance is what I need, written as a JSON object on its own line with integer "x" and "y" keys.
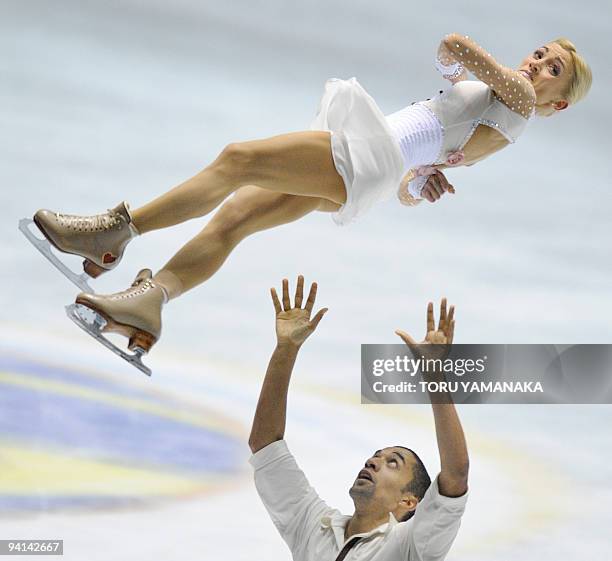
{"x": 228, "y": 222}
{"x": 237, "y": 160}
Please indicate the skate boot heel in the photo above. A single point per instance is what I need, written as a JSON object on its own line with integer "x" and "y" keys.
{"x": 141, "y": 342}
{"x": 93, "y": 270}
{"x": 134, "y": 313}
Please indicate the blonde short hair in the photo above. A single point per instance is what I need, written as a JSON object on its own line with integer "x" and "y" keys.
{"x": 580, "y": 82}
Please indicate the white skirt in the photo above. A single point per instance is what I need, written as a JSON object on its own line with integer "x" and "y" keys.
{"x": 365, "y": 151}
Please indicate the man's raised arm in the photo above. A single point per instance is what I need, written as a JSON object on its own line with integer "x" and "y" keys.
{"x": 293, "y": 326}
{"x": 454, "y": 461}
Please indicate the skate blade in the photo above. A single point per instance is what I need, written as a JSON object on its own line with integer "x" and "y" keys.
{"x": 93, "y": 323}
{"x": 44, "y": 246}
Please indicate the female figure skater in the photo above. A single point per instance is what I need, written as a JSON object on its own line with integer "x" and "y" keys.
{"x": 352, "y": 157}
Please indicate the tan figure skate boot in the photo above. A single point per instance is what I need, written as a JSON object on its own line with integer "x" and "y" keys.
{"x": 101, "y": 239}
{"x": 134, "y": 313}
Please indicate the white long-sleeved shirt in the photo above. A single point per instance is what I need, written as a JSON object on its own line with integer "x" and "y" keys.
{"x": 315, "y": 532}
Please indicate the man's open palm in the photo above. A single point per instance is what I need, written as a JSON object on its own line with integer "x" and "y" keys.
{"x": 293, "y": 324}
{"x": 441, "y": 338}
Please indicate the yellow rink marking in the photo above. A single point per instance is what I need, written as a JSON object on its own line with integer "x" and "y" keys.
{"x": 29, "y": 472}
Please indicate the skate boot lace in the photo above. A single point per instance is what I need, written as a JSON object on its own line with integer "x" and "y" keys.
{"x": 94, "y": 223}
{"x": 138, "y": 288}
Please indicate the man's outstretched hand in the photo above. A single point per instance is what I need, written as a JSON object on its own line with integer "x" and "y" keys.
{"x": 441, "y": 338}
{"x": 293, "y": 324}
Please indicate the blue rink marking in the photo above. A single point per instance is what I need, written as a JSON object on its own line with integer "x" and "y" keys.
{"x": 12, "y": 503}
{"x": 114, "y": 433}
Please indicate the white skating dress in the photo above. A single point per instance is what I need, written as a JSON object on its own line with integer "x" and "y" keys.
{"x": 373, "y": 153}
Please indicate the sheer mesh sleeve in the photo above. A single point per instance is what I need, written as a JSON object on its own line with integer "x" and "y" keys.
{"x": 510, "y": 86}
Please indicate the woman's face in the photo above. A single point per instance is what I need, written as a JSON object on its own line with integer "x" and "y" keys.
{"x": 549, "y": 68}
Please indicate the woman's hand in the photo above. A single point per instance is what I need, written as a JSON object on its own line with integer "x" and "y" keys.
{"x": 293, "y": 324}
{"x": 436, "y": 186}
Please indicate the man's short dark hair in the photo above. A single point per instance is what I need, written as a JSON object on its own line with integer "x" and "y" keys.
{"x": 420, "y": 481}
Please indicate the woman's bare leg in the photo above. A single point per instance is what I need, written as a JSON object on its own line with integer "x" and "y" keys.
{"x": 297, "y": 164}
{"x": 250, "y": 210}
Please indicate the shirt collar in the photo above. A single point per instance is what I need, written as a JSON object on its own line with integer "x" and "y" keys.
{"x": 338, "y": 522}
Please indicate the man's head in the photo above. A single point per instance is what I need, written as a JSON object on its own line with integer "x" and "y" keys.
{"x": 393, "y": 480}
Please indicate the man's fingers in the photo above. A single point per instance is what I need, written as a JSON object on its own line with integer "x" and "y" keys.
{"x": 442, "y": 321}
{"x": 451, "y": 332}
{"x": 450, "y": 319}
{"x": 275, "y": 301}
{"x": 431, "y": 324}
{"x": 406, "y": 338}
{"x": 286, "y": 301}
{"x": 299, "y": 292}
{"x": 311, "y": 297}
{"x": 318, "y": 317}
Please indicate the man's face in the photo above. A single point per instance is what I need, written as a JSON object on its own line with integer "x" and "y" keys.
{"x": 383, "y": 477}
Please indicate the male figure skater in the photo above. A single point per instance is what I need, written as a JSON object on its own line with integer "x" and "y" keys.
{"x": 399, "y": 514}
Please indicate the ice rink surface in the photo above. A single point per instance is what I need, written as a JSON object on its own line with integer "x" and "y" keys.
{"x": 106, "y": 101}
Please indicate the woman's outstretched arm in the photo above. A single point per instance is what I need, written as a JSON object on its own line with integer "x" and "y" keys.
{"x": 510, "y": 86}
